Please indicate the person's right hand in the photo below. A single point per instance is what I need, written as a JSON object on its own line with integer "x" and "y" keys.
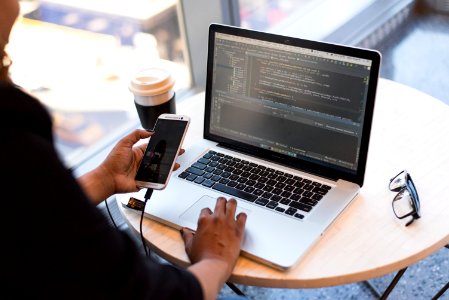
{"x": 219, "y": 235}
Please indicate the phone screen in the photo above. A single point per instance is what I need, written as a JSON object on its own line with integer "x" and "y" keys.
{"x": 161, "y": 151}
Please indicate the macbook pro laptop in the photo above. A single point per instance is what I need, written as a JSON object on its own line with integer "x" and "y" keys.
{"x": 286, "y": 132}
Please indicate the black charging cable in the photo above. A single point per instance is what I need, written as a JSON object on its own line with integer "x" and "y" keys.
{"x": 147, "y": 196}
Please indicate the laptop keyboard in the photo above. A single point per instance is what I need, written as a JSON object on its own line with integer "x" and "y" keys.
{"x": 282, "y": 192}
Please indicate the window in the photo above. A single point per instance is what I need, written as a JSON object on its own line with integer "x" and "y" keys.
{"x": 77, "y": 56}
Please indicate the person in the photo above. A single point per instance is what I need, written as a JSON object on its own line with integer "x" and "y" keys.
{"x": 55, "y": 241}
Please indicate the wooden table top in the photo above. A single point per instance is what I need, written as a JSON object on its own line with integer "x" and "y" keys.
{"x": 410, "y": 131}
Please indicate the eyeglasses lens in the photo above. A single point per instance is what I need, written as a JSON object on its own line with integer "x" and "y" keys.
{"x": 403, "y": 204}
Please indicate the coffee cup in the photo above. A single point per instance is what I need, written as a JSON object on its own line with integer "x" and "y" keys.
{"x": 153, "y": 95}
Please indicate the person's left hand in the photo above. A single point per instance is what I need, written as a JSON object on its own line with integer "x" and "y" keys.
{"x": 122, "y": 162}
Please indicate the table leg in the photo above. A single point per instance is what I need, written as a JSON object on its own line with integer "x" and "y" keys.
{"x": 235, "y": 289}
{"x": 390, "y": 287}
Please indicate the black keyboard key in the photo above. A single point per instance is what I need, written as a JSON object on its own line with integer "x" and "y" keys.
{"x": 262, "y": 179}
{"x": 285, "y": 201}
{"x": 320, "y": 191}
{"x": 297, "y": 178}
{"x": 280, "y": 209}
{"x": 207, "y": 155}
{"x": 279, "y": 172}
{"x": 213, "y": 164}
{"x": 225, "y": 174}
{"x": 271, "y": 182}
{"x": 262, "y": 201}
{"x": 199, "y": 180}
{"x": 258, "y": 192}
{"x": 215, "y": 178}
{"x": 326, "y": 187}
{"x": 295, "y": 197}
{"x": 289, "y": 188}
{"x": 286, "y": 194}
{"x": 242, "y": 180}
{"x": 272, "y": 204}
{"x": 217, "y": 172}
{"x": 317, "y": 184}
{"x": 250, "y": 182}
{"x": 191, "y": 177}
{"x": 210, "y": 169}
{"x": 307, "y": 181}
{"x": 299, "y": 216}
{"x": 308, "y": 187}
{"x": 199, "y": 166}
{"x": 300, "y": 206}
{"x": 307, "y": 194}
{"x": 267, "y": 195}
{"x": 249, "y": 189}
{"x": 291, "y": 211}
{"x": 259, "y": 185}
{"x": 253, "y": 165}
{"x": 219, "y": 154}
{"x": 233, "y": 177}
{"x": 224, "y": 181}
{"x": 281, "y": 178}
{"x": 268, "y": 188}
{"x": 290, "y": 181}
{"x": 276, "y": 198}
{"x": 195, "y": 171}
{"x": 232, "y": 183}
{"x": 276, "y": 191}
{"x": 208, "y": 175}
{"x": 208, "y": 183}
{"x": 234, "y": 192}
{"x": 240, "y": 186}
{"x": 280, "y": 185}
{"x": 229, "y": 169}
{"x": 204, "y": 161}
{"x": 288, "y": 175}
{"x": 317, "y": 197}
{"x": 308, "y": 201}
{"x": 183, "y": 175}
{"x": 298, "y": 191}
{"x": 237, "y": 172}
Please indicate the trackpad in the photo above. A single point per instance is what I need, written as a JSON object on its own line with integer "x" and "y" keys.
{"x": 193, "y": 212}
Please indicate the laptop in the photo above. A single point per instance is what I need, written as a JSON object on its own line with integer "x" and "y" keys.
{"x": 286, "y": 133}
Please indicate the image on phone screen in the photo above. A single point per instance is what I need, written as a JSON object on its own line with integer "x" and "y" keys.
{"x": 161, "y": 151}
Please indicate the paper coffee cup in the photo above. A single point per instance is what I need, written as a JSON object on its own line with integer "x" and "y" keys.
{"x": 153, "y": 95}
{"x": 152, "y": 86}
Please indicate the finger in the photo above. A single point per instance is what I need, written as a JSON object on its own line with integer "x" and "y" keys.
{"x": 220, "y": 206}
{"x": 241, "y": 221}
{"x": 135, "y": 136}
{"x": 181, "y": 151}
{"x": 205, "y": 212}
{"x": 231, "y": 207}
{"x": 187, "y": 236}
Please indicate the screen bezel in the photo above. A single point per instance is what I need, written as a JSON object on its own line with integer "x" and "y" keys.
{"x": 157, "y": 185}
{"x": 333, "y": 172}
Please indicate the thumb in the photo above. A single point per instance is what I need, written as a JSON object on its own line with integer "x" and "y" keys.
{"x": 187, "y": 236}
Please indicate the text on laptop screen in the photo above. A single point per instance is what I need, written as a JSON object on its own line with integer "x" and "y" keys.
{"x": 299, "y": 102}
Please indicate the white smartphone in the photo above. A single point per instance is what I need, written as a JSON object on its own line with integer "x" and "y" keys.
{"x": 160, "y": 155}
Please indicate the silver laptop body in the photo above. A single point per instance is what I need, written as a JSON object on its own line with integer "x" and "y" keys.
{"x": 294, "y": 109}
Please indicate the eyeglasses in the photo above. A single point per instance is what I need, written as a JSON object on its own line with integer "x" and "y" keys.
{"x": 406, "y": 202}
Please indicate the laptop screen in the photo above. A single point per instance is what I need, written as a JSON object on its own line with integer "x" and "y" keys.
{"x": 302, "y": 103}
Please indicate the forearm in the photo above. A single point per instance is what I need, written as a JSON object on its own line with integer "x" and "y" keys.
{"x": 97, "y": 185}
{"x": 212, "y": 275}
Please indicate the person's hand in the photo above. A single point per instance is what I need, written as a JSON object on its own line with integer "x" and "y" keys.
{"x": 123, "y": 161}
{"x": 117, "y": 172}
{"x": 219, "y": 235}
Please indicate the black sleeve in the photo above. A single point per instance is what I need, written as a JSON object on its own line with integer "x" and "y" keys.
{"x": 58, "y": 245}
